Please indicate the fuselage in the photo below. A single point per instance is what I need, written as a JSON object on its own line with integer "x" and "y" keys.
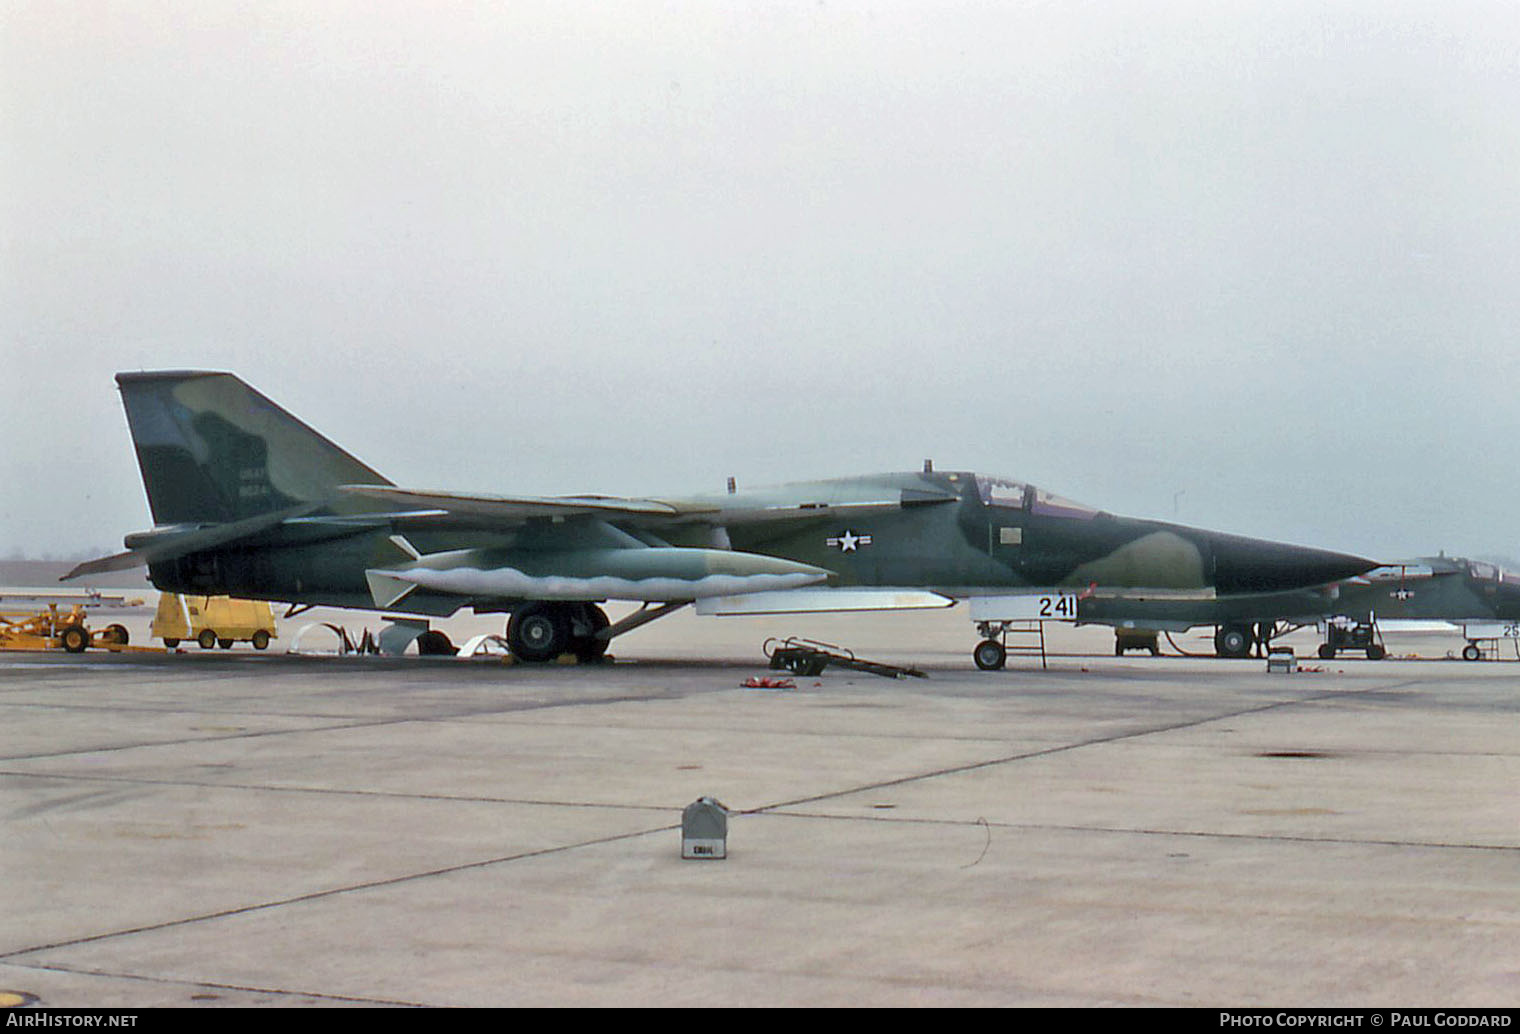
{"x": 1429, "y": 588}
{"x": 957, "y": 533}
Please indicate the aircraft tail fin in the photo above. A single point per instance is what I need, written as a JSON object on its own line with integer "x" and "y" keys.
{"x": 212, "y": 450}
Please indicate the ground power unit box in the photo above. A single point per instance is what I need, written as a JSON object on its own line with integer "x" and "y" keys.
{"x": 704, "y": 829}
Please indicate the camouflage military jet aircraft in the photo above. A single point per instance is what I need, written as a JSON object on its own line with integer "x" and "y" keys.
{"x": 249, "y": 501}
{"x": 1427, "y": 594}
{"x": 1438, "y": 593}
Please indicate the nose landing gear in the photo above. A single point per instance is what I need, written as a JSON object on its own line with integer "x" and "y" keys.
{"x": 990, "y": 655}
{"x": 992, "y": 652}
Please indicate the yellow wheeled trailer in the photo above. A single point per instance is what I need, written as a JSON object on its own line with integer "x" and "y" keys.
{"x": 212, "y": 621}
{"x": 53, "y": 630}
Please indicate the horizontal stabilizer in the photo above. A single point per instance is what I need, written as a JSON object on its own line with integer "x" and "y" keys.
{"x": 822, "y": 601}
{"x": 157, "y": 546}
{"x": 100, "y": 565}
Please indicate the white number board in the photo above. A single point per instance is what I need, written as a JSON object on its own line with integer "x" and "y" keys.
{"x": 1491, "y": 630}
{"x": 1049, "y": 606}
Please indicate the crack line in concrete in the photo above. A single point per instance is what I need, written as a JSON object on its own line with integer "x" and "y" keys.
{"x": 171, "y": 981}
{"x": 1139, "y": 831}
{"x": 1062, "y": 748}
{"x": 317, "y": 895}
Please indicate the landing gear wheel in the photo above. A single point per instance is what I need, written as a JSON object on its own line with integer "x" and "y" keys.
{"x": 1233, "y": 641}
{"x": 207, "y": 639}
{"x": 584, "y": 642}
{"x": 539, "y": 632}
{"x": 434, "y": 643}
{"x": 989, "y": 655}
{"x": 75, "y": 638}
{"x": 260, "y": 640}
{"x": 1326, "y": 652}
{"x": 1470, "y": 652}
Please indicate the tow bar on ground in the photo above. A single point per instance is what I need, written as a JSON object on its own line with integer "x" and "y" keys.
{"x": 808, "y": 657}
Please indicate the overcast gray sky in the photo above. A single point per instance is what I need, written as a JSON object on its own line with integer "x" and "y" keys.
{"x": 1251, "y": 266}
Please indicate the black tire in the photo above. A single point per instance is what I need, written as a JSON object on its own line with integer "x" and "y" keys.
{"x": 1326, "y": 652}
{"x": 207, "y": 639}
{"x": 989, "y": 655}
{"x": 434, "y": 643}
{"x": 1470, "y": 652}
{"x": 260, "y": 640}
{"x": 118, "y": 634}
{"x": 584, "y": 643}
{"x": 1233, "y": 641}
{"x": 170, "y": 642}
{"x": 1376, "y": 653}
{"x": 75, "y": 638}
{"x": 539, "y": 632}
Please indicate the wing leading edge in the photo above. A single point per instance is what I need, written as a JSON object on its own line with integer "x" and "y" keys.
{"x": 509, "y": 511}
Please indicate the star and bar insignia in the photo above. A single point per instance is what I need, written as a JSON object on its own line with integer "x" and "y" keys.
{"x": 849, "y": 542}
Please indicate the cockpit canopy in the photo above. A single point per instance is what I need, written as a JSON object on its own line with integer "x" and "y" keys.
{"x": 1492, "y": 573}
{"x": 1429, "y": 567}
{"x": 1015, "y": 495}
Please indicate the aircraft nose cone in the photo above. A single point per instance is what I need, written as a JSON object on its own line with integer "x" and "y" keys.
{"x": 1255, "y": 565}
{"x": 1508, "y": 608}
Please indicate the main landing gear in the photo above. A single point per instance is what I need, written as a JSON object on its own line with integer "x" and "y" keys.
{"x": 539, "y": 632}
{"x": 1238, "y": 638}
{"x": 1233, "y": 640}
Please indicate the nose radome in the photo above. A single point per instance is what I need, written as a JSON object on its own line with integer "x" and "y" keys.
{"x": 1508, "y": 606}
{"x": 1256, "y": 565}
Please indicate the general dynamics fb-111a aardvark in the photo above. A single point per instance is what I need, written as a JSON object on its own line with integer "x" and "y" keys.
{"x": 1428, "y": 594}
{"x": 248, "y": 501}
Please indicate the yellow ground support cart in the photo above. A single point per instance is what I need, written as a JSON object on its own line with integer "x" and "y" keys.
{"x": 54, "y": 629}
{"x": 213, "y": 621}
